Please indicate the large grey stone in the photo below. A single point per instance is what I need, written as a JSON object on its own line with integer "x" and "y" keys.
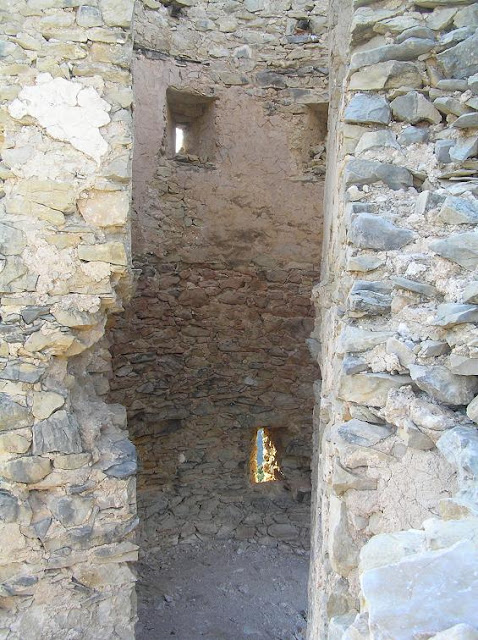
{"x": 457, "y": 632}
{"x": 8, "y": 506}
{"x": 461, "y": 60}
{"x": 463, "y": 366}
{"x": 417, "y": 287}
{"x": 415, "y": 32}
{"x": 464, "y": 148}
{"x": 27, "y": 470}
{"x": 12, "y": 241}
{"x": 12, "y": 414}
{"x": 370, "y": 388}
{"x": 442, "y": 150}
{"x": 386, "y": 75}
{"x": 443, "y": 385}
{"x": 470, "y": 293}
{"x": 356, "y": 340}
{"x": 366, "y": 108}
{"x": 413, "y": 135}
{"x": 369, "y": 297}
{"x": 408, "y": 50}
{"x": 451, "y": 314}
{"x": 373, "y": 139}
{"x": 58, "y": 433}
{"x": 22, "y": 372}
{"x": 448, "y": 105}
{"x": 413, "y": 107}
{"x": 461, "y": 248}
{"x": 460, "y": 448}
{"x": 369, "y": 231}
{"x": 472, "y": 410}
{"x": 363, "y": 434}
{"x": 431, "y": 591}
{"x": 466, "y": 121}
{"x": 473, "y": 83}
{"x": 361, "y": 172}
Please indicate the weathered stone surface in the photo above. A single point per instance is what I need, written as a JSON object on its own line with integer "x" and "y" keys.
{"x": 113, "y": 252}
{"x": 22, "y": 372}
{"x": 461, "y": 248}
{"x": 373, "y": 139}
{"x": 386, "y": 75}
{"x": 413, "y": 135}
{"x": 472, "y": 410}
{"x": 58, "y": 433}
{"x": 417, "y": 287}
{"x": 466, "y": 121}
{"x": 387, "y": 594}
{"x": 88, "y": 16}
{"x": 403, "y": 349}
{"x": 457, "y": 210}
{"x": 389, "y": 548}
{"x": 356, "y": 340}
{"x": 408, "y": 50}
{"x": 342, "y": 550}
{"x": 12, "y": 414}
{"x": 433, "y": 348}
{"x": 8, "y": 507}
{"x": 369, "y": 231}
{"x": 371, "y": 298}
{"x": 27, "y": 470}
{"x": 450, "y": 314}
{"x": 117, "y": 13}
{"x": 45, "y": 403}
{"x": 448, "y": 105}
{"x": 442, "y": 150}
{"x": 367, "y": 108}
{"x": 464, "y": 148}
{"x": 460, "y": 448}
{"x": 443, "y": 385}
{"x": 105, "y": 208}
{"x": 371, "y": 388}
{"x": 12, "y": 241}
{"x": 414, "y": 107}
{"x": 362, "y": 433}
{"x": 460, "y": 61}
{"x": 364, "y": 263}
{"x": 458, "y": 632}
{"x": 362, "y": 172}
{"x": 470, "y": 293}
{"x": 463, "y": 366}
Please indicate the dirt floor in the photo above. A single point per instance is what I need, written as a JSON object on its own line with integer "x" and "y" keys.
{"x": 222, "y": 591}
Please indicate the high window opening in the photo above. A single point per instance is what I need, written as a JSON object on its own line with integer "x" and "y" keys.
{"x": 265, "y": 465}
{"x": 178, "y": 139}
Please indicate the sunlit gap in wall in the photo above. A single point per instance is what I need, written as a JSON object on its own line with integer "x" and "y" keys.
{"x": 266, "y": 467}
{"x": 179, "y": 139}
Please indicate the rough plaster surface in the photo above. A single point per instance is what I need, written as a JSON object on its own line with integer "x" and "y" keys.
{"x": 67, "y": 110}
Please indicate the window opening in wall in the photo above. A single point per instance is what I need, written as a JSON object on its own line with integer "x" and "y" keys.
{"x": 179, "y": 139}
{"x": 265, "y": 463}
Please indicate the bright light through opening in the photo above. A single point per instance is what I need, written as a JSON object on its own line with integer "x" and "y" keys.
{"x": 265, "y": 464}
{"x": 179, "y": 139}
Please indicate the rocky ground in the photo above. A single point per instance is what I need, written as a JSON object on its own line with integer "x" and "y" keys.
{"x": 222, "y": 591}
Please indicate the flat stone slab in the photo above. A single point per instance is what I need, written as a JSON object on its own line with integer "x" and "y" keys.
{"x": 425, "y": 593}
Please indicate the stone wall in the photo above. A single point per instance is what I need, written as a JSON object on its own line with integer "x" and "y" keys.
{"x": 67, "y": 497}
{"x": 396, "y": 466}
{"x": 226, "y": 243}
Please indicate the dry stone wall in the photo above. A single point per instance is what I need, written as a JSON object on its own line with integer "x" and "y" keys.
{"x": 67, "y": 496}
{"x": 226, "y": 243}
{"x": 395, "y": 546}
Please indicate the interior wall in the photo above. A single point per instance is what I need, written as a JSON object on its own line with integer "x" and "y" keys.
{"x": 226, "y": 241}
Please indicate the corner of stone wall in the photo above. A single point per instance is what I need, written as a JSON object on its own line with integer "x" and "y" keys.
{"x": 67, "y": 497}
{"x": 397, "y": 461}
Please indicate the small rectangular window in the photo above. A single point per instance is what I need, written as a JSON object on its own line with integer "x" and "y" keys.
{"x": 179, "y": 139}
{"x": 264, "y": 463}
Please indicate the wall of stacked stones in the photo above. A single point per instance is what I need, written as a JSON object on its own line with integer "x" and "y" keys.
{"x": 395, "y": 544}
{"x": 67, "y": 496}
{"x": 226, "y": 247}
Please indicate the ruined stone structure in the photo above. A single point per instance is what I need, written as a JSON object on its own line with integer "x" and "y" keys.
{"x": 191, "y": 313}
